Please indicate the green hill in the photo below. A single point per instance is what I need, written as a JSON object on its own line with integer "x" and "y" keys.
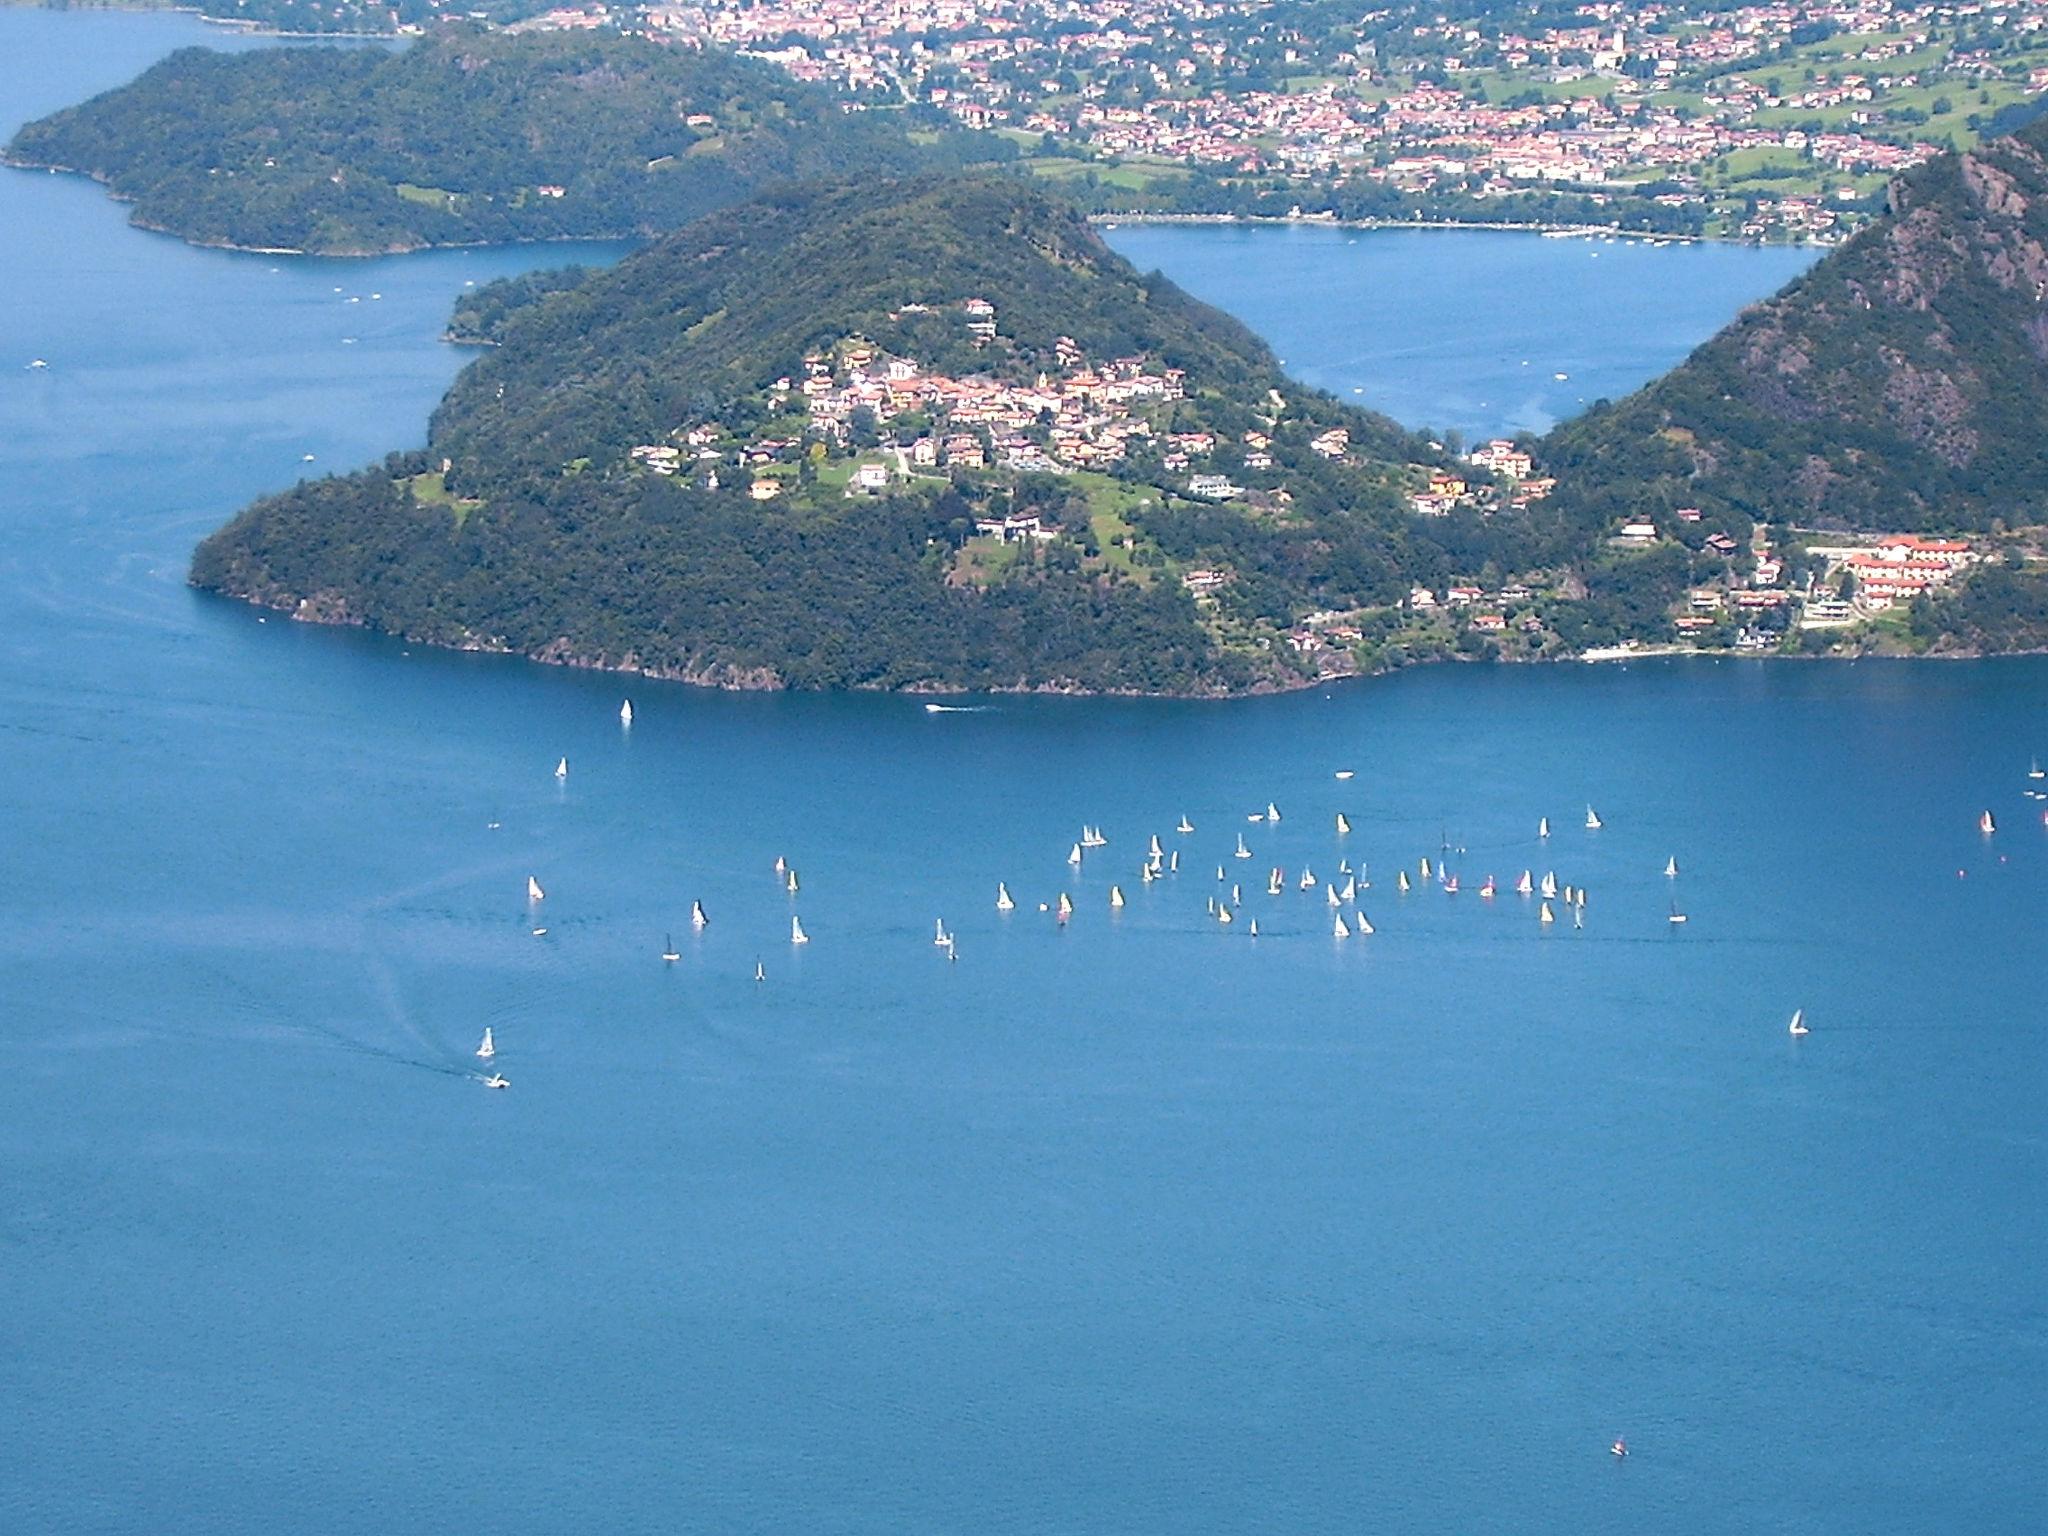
{"x": 667, "y": 466}
{"x": 1901, "y": 382}
{"x": 467, "y": 137}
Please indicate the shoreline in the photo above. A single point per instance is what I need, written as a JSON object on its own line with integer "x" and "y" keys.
{"x": 1503, "y": 226}
{"x": 732, "y": 678}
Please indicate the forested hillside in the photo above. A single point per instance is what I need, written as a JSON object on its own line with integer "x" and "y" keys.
{"x": 653, "y": 467}
{"x": 1902, "y": 382}
{"x": 467, "y": 137}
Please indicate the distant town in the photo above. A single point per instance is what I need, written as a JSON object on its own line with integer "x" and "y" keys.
{"x": 1779, "y": 122}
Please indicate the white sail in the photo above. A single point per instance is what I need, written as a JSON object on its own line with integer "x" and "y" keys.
{"x": 1543, "y": 827}
{"x": 1116, "y": 896}
{"x": 796, "y": 930}
{"x": 1544, "y": 914}
{"x": 759, "y": 973}
{"x": 1798, "y": 1023}
{"x": 1592, "y": 820}
{"x": 1223, "y": 915}
{"x": 1242, "y": 851}
{"x": 1219, "y": 871}
{"x": 1155, "y": 851}
{"x": 1003, "y": 902}
{"x": 1580, "y": 904}
{"x": 697, "y": 917}
{"x": 562, "y": 769}
{"x": 1272, "y": 811}
{"x": 1236, "y": 894}
{"x": 1987, "y": 824}
{"x": 1671, "y": 868}
{"x": 1402, "y": 879}
{"x": 1145, "y": 874}
{"x": 790, "y": 884}
{"x": 1350, "y": 891}
{"x": 939, "y": 933}
{"x": 1549, "y": 884}
{"x": 1425, "y": 869}
{"x": 1364, "y": 927}
{"x": 1254, "y": 930}
{"x": 1173, "y": 862}
{"x": 489, "y": 1048}
{"x": 781, "y": 865}
{"x": 626, "y": 713}
{"x": 1185, "y": 826}
{"x": 1066, "y": 905}
{"x": 1343, "y": 824}
{"x": 1075, "y": 856}
{"x": 1331, "y": 898}
{"x": 1524, "y": 885}
{"x": 533, "y": 890}
{"x": 1273, "y": 883}
{"x": 1308, "y": 879}
{"x": 1339, "y": 929}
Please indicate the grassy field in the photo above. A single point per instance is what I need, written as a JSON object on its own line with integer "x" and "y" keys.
{"x": 431, "y": 490}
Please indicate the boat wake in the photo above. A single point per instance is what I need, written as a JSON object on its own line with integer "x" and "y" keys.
{"x": 959, "y": 709}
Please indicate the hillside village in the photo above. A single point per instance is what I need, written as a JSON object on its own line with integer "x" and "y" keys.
{"x": 859, "y": 420}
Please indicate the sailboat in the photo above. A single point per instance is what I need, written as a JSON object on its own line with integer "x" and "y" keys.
{"x": 1155, "y": 851}
{"x": 1223, "y": 916}
{"x": 1343, "y": 824}
{"x": 533, "y": 890}
{"x": 1185, "y": 826}
{"x": 1272, "y": 811}
{"x": 1987, "y": 824}
{"x": 1066, "y": 907}
{"x": 781, "y": 866}
{"x": 1543, "y": 827}
{"x": 1549, "y": 884}
{"x": 1592, "y": 820}
{"x": 697, "y": 917}
{"x": 1242, "y": 851}
{"x": 1350, "y": 891}
{"x": 1308, "y": 880}
{"x": 1339, "y": 929}
{"x": 1580, "y": 904}
{"x": 1254, "y": 930}
{"x": 489, "y": 1048}
{"x": 1676, "y": 915}
{"x": 1343, "y": 773}
{"x": 1524, "y": 886}
{"x": 790, "y": 884}
{"x": 562, "y": 769}
{"x": 1486, "y": 890}
{"x": 1330, "y": 897}
{"x": 939, "y": 935}
{"x": 1219, "y": 871}
{"x": 759, "y": 973}
{"x": 669, "y": 952}
{"x": 1402, "y": 879}
{"x": 1116, "y": 898}
{"x": 1273, "y": 883}
{"x": 796, "y": 930}
{"x": 495, "y": 1080}
{"x": 1671, "y": 868}
{"x": 1567, "y": 895}
{"x": 1798, "y": 1026}
{"x": 1545, "y": 915}
{"x": 1173, "y": 862}
{"x": 1145, "y": 874}
{"x": 2035, "y": 770}
{"x": 1365, "y": 928}
{"x": 626, "y": 713}
{"x": 1451, "y": 886}
{"x": 1236, "y": 894}
{"x": 1074, "y": 858}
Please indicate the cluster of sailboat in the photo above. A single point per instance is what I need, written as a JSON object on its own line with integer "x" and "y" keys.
{"x": 1342, "y": 893}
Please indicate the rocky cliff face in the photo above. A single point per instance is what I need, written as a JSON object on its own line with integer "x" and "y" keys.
{"x": 1903, "y": 379}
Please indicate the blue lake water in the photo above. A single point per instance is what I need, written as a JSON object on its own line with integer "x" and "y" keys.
{"x": 1143, "y": 1226}
{"x": 1466, "y": 329}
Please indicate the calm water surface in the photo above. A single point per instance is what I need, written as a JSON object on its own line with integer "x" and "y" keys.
{"x": 1466, "y": 329}
{"x": 1140, "y": 1227}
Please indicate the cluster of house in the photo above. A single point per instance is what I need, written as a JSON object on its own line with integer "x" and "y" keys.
{"x": 1077, "y": 415}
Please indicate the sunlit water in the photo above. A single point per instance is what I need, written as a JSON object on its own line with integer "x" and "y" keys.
{"x": 1141, "y": 1226}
